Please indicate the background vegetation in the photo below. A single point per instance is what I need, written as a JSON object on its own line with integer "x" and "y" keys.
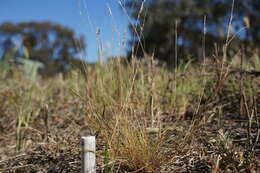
{"x": 56, "y": 46}
{"x": 158, "y": 22}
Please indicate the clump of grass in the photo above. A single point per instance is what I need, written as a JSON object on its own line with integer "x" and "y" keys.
{"x": 115, "y": 109}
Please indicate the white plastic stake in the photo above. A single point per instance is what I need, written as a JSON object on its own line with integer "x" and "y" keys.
{"x": 88, "y": 144}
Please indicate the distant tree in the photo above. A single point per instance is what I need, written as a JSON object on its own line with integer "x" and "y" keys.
{"x": 52, "y": 44}
{"x": 156, "y": 20}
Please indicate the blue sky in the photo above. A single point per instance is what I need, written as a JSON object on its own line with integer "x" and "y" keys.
{"x": 84, "y": 16}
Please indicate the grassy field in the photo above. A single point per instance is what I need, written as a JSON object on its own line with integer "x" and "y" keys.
{"x": 147, "y": 118}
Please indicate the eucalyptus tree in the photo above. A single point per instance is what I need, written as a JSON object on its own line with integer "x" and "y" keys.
{"x": 191, "y": 27}
{"x": 54, "y": 45}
